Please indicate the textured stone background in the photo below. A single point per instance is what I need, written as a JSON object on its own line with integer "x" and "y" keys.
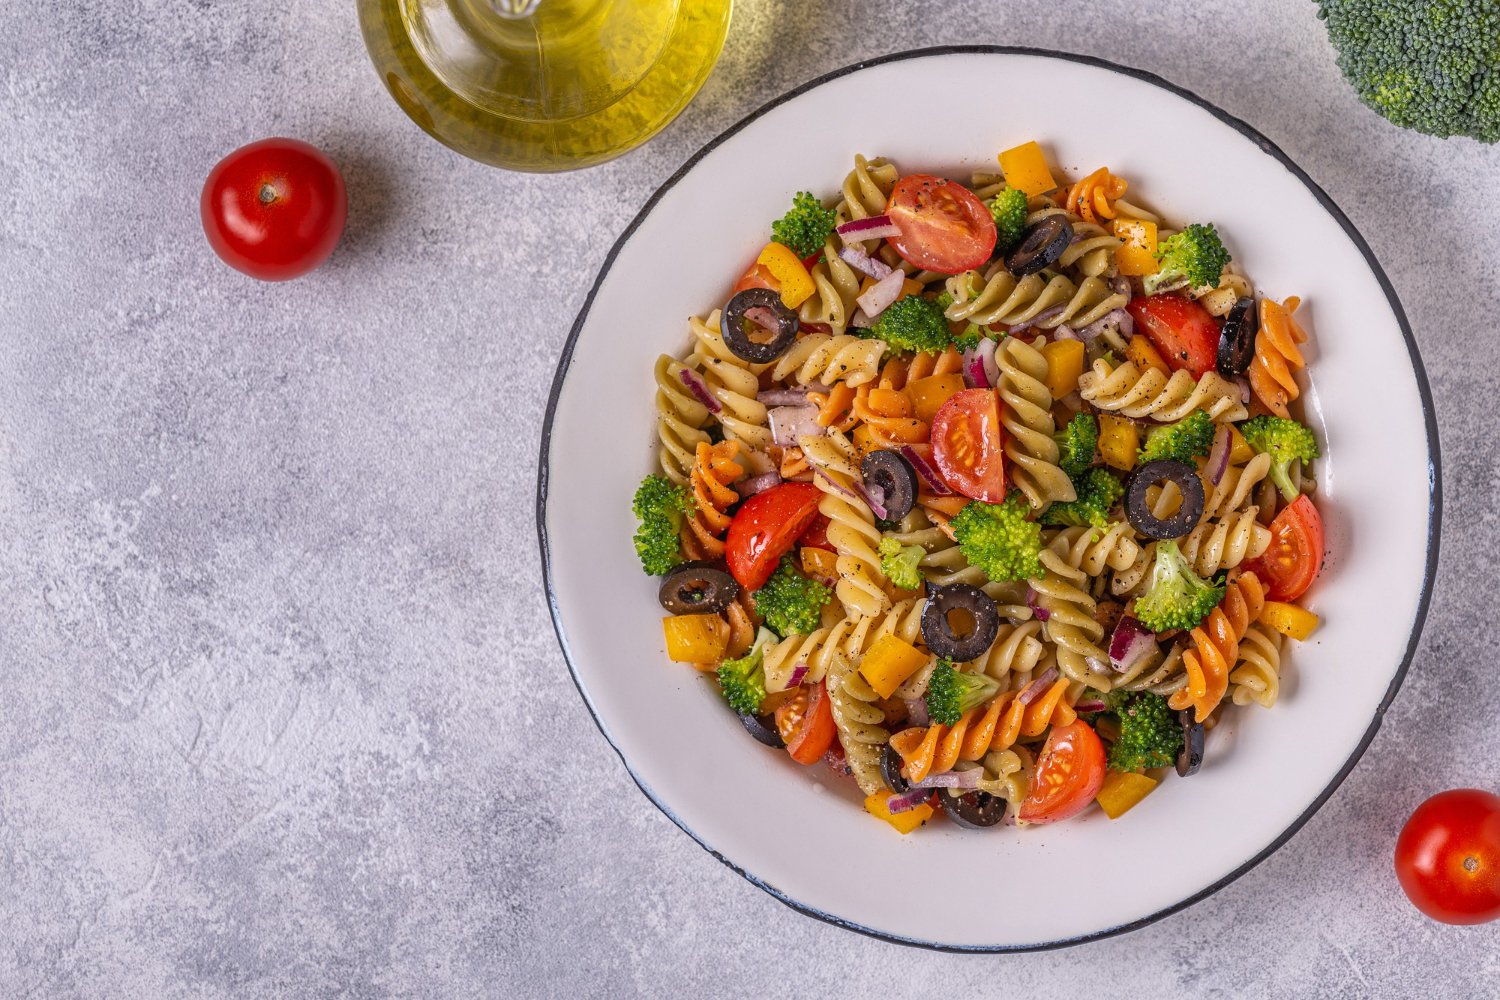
{"x": 283, "y": 714}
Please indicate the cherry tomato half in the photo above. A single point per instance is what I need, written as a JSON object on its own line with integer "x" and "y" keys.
{"x": 1182, "y": 330}
{"x": 816, "y": 535}
{"x": 943, "y": 226}
{"x": 765, "y": 527}
{"x": 274, "y": 209}
{"x": 968, "y": 445}
{"x": 812, "y": 731}
{"x": 1448, "y": 857}
{"x": 1068, "y": 775}
{"x": 1291, "y": 562}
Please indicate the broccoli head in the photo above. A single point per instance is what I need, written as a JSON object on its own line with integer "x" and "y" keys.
{"x": 806, "y": 227}
{"x": 952, "y": 692}
{"x": 1192, "y": 258}
{"x": 1187, "y": 439}
{"x": 1286, "y": 441}
{"x": 660, "y": 505}
{"x": 1429, "y": 65}
{"x": 913, "y": 323}
{"x": 999, "y": 539}
{"x": 1076, "y": 443}
{"x": 899, "y": 563}
{"x": 743, "y": 681}
{"x": 1009, "y": 209}
{"x": 1150, "y": 735}
{"x": 790, "y": 602}
{"x": 1098, "y": 492}
{"x": 1177, "y": 598}
{"x": 972, "y": 334}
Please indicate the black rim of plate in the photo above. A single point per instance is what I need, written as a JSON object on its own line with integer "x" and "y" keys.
{"x": 1435, "y": 501}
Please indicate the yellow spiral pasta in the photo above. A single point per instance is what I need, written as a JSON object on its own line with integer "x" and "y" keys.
{"x": 1017, "y": 650}
{"x": 1256, "y": 677}
{"x": 1046, "y": 302}
{"x": 861, "y": 585}
{"x": 1236, "y": 487}
{"x": 848, "y": 636}
{"x": 1026, "y": 413}
{"x": 829, "y": 359}
{"x": 680, "y": 419}
{"x": 1070, "y": 625}
{"x": 944, "y": 563}
{"x": 1093, "y": 550}
{"x": 1136, "y": 394}
{"x": 1224, "y": 543}
{"x": 859, "y": 723}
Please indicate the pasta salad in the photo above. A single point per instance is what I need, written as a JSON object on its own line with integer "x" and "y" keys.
{"x": 990, "y": 497}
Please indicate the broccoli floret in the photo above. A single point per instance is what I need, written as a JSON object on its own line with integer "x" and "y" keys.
{"x": 1009, "y": 209}
{"x": 1150, "y": 735}
{"x": 1076, "y": 444}
{"x": 899, "y": 563}
{"x": 1189, "y": 438}
{"x": 1177, "y": 599}
{"x": 952, "y": 692}
{"x": 1098, "y": 492}
{"x": 998, "y": 539}
{"x": 1429, "y": 65}
{"x": 743, "y": 681}
{"x": 913, "y": 323}
{"x": 1285, "y": 441}
{"x": 660, "y": 505}
{"x": 972, "y": 334}
{"x": 1193, "y": 258}
{"x": 790, "y": 602}
{"x": 806, "y": 227}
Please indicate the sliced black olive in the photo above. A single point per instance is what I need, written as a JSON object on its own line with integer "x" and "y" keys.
{"x": 1043, "y": 244}
{"x": 890, "y": 770}
{"x": 1191, "y": 757}
{"x": 973, "y": 810}
{"x": 896, "y": 479}
{"x": 763, "y": 728}
{"x": 938, "y": 631}
{"x": 1237, "y": 339}
{"x": 697, "y": 588}
{"x": 738, "y": 326}
{"x": 1138, "y": 509}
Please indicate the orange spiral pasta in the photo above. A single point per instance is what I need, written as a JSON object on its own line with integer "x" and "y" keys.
{"x": 898, "y": 373}
{"x": 1216, "y": 646}
{"x": 888, "y": 415}
{"x": 1092, "y": 198}
{"x": 993, "y": 726}
{"x": 714, "y": 468}
{"x": 1273, "y": 372}
{"x": 835, "y": 407}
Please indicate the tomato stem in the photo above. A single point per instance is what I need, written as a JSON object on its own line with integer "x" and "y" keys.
{"x": 267, "y": 193}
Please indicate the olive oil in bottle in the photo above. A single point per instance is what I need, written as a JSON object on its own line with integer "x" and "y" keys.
{"x": 543, "y": 84}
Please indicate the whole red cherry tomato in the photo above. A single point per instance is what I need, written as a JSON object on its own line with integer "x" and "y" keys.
{"x": 274, "y": 209}
{"x": 1448, "y": 857}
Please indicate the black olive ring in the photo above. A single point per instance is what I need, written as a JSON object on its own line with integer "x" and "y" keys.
{"x": 1138, "y": 509}
{"x": 735, "y": 327}
{"x": 937, "y": 631}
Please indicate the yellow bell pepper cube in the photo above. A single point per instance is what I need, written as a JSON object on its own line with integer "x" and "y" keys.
{"x": 904, "y": 822}
{"x": 929, "y": 394}
{"x": 795, "y": 283}
{"x": 1121, "y": 791}
{"x": 1144, "y": 355}
{"x": 1137, "y": 255}
{"x": 864, "y": 439}
{"x": 1239, "y": 449}
{"x": 695, "y": 638}
{"x": 1290, "y": 620}
{"x": 1025, "y": 167}
{"x": 819, "y": 563}
{"x": 1064, "y": 365}
{"x": 1119, "y": 441}
{"x": 889, "y": 662}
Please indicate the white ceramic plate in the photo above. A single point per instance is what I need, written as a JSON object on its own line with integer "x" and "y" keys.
{"x": 796, "y": 832}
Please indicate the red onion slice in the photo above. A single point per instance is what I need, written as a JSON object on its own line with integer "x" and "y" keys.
{"x": 1218, "y": 455}
{"x": 783, "y": 397}
{"x": 1033, "y": 601}
{"x": 1065, "y": 332}
{"x": 876, "y": 227}
{"x": 916, "y": 711}
{"x": 833, "y": 484}
{"x": 1244, "y": 385}
{"x": 798, "y": 672}
{"x": 789, "y": 424}
{"x": 1040, "y": 317}
{"x": 881, "y": 294}
{"x": 699, "y": 389}
{"x": 1090, "y": 705}
{"x": 923, "y": 468}
{"x": 906, "y": 800}
{"x": 864, "y": 263}
{"x": 952, "y": 779}
{"x": 1034, "y": 690}
{"x": 1130, "y": 643}
{"x": 759, "y": 484}
{"x": 874, "y": 498}
{"x": 981, "y": 370}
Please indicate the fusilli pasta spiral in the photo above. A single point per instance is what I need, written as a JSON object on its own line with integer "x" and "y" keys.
{"x": 1133, "y": 393}
{"x": 1273, "y": 371}
{"x": 1215, "y": 646}
{"x": 1026, "y": 414}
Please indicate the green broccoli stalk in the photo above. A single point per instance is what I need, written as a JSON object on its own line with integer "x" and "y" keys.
{"x": 999, "y": 539}
{"x": 899, "y": 563}
{"x": 1150, "y": 735}
{"x": 1192, "y": 258}
{"x": 1009, "y": 209}
{"x": 791, "y": 603}
{"x": 1424, "y": 65}
{"x": 1187, "y": 439}
{"x": 913, "y": 323}
{"x": 743, "y": 681}
{"x": 1098, "y": 492}
{"x": 1286, "y": 441}
{"x": 806, "y": 227}
{"x": 952, "y": 692}
{"x": 660, "y": 505}
{"x": 1177, "y": 598}
{"x": 1076, "y": 444}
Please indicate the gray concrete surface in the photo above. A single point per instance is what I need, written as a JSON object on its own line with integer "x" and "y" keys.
{"x": 281, "y": 711}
